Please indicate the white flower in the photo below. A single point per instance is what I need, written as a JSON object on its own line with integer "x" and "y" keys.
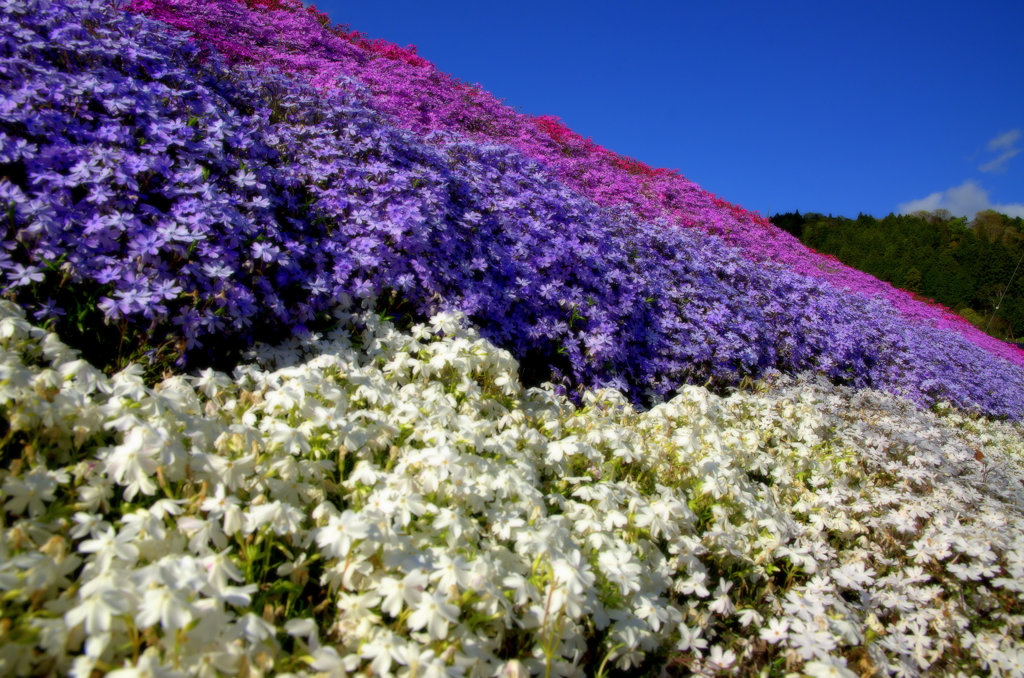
{"x": 336, "y": 538}
{"x": 327, "y": 662}
{"x": 513, "y": 669}
{"x": 98, "y": 611}
{"x": 690, "y": 640}
{"x": 434, "y": 613}
{"x": 694, "y": 585}
{"x": 522, "y": 590}
{"x": 809, "y": 641}
{"x": 621, "y": 569}
{"x": 654, "y": 612}
{"x": 405, "y": 591}
{"x": 777, "y": 629}
{"x": 96, "y": 493}
{"x": 220, "y": 570}
{"x": 722, "y": 604}
{"x": 749, "y": 616}
{"x": 232, "y": 472}
{"x": 427, "y": 664}
{"x": 109, "y": 545}
{"x": 225, "y": 506}
{"x": 32, "y": 491}
{"x": 148, "y": 666}
{"x": 142, "y": 524}
{"x": 164, "y": 606}
{"x": 853, "y": 575}
{"x": 133, "y": 462}
{"x": 828, "y": 668}
{"x": 450, "y": 574}
{"x": 82, "y": 666}
{"x": 280, "y": 517}
{"x": 409, "y": 505}
{"x": 210, "y": 382}
{"x": 202, "y": 534}
{"x": 290, "y": 440}
{"x": 303, "y": 627}
{"x": 721, "y": 659}
{"x": 384, "y": 649}
{"x": 254, "y": 628}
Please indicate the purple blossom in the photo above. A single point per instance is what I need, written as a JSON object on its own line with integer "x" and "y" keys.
{"x": 25, "y": 275}
{"x": 48, "y": 310}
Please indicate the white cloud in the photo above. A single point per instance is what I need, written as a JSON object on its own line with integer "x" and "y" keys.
{"x": 999, "y": 164}
{"x": 1005, "y": 140}
{"x": 1005, "y": 145}
{"x": 964, "y": 200}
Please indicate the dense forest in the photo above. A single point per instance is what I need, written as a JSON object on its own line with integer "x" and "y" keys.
{"x": 973, "y": 267}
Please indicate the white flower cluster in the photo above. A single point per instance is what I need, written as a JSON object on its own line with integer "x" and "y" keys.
{"x": 394, "y": 503}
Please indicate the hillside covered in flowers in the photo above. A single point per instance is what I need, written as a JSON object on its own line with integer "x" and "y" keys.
{"x": 196, "y": 201}
{"x": 314, "y": 359}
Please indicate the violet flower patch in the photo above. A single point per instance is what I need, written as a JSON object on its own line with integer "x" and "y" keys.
{"x": 196, "y": 207}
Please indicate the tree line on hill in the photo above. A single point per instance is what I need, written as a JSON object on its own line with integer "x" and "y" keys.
{"x": 972, "y": 266}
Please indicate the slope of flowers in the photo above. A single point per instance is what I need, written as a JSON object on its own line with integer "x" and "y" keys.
{"x": 396, "y": 503}
{"x": 420, "y": 98}
{"x": 374, "y": 499}
{"x": 156, "y": 199}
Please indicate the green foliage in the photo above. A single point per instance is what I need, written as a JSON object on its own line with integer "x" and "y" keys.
{"x": 965, "y": 265}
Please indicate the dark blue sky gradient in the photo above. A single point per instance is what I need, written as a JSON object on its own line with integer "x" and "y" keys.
{"x": 818, "y": 106}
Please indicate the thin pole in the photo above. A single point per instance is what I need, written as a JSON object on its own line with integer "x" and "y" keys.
{"x": 998, "y": 303}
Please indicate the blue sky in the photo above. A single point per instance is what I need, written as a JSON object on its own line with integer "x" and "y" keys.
{"x": 822, "y": 106}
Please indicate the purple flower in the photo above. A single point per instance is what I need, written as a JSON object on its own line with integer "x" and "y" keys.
{"x": 265, "y": 251}
{"x": 243, "y": 178}
{"x": 25, "y": 275}
{"x": 48, "y": 310}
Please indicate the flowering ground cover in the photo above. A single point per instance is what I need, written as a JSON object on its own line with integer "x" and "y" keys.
{"x": 373, "y": 481}
{"x": 163, "y": 206}
{"x": 396, "y": 503}
{"x": 283, "y": 34}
